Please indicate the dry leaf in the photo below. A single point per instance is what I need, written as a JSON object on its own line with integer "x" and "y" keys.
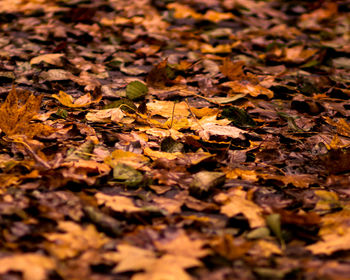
{"x": 50, "y": 58}
{"x": 32, "y": 266}
{"x": 117, "y": 203}
{"x": 180, "y": 245}
{"x": 83, "y": 101}
{"x": 166, "y": 108}
{"x": 235, "y": 202}
{"x": 244, "y": 87}
{"x": 131, "y": 258}
{"x": 74, "y": 240}
{"x": 129, "y": 158}
{"x": 16, "y": 113}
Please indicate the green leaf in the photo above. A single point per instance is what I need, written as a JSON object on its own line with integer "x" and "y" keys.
{"x": 61, "y": 113}
{"x": 127, "y": 175}
{"x": 136, "y": 90}
{"x": 258, "y": 233}
{"x": 84, "y": 151}
{"x": 274, "y": 223}
{"x": 169, "y": 145}
{"x": 238, "y": 116}
{"x": 290, "y": 121}
{"x": 124, "y": 104}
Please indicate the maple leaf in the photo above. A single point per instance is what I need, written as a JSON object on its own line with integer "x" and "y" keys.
{"x": 33, "y": 266}
{"x": 235, "y": 202}
{"x": 180, "y": 245}
{"x": 168, "y": 267}
{"x": 74, "y": 240}
{"x": 334, "y": 233}
{"x": 117, "y": 202}
{"x": 131, "y": 258}
{"x": 16, "y": 113}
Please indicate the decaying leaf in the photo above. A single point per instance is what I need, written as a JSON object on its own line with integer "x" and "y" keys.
{"x": 129, "y": 158}
{"x": 31, "y": 265}
{"x": 52, "y": 58}
{"x": 207, "y": 139}
{"x": 180, "y": 253}
{"x": 18, "y": 110}
{"x": 74, "y": 240}
{"x": 117, "y": 203}
{"x": 235, "y": 202}
{"x": 83, "y": 101}
{"x": 204, "y": 181}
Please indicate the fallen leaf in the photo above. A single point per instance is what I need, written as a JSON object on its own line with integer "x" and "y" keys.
{"x": 32, "y": 266}
{"x": 131, "y": 258}
{"x": 83, "y": 101}
{"x": 180, "y": 245}
{"x": 235, "y": 202}
{"x": 331, "y": 243}
{"x": 170, "y": 205}
{"x": 243, "y": 87}
{"x": 74, "y": 240}
{"x": 107, "y": 115}
{"x": 50, "y": 58}
{"x": 129, "y": 158}
{"x": 18, "y": 110}
{"x": 166, "y": 108}
{"x": 117, "y": 203}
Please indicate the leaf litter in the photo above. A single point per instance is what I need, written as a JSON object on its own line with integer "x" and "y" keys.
{"x": 174, "y": 140}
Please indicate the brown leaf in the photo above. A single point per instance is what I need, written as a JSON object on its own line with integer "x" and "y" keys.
{"x": 158, "y": 77}
{"x": 18, "y": 110}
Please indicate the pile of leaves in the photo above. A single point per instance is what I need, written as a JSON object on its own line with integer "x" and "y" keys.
{"x": 162, "y": 139}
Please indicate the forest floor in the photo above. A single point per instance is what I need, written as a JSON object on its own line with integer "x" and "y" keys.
{"x": 162, "y": 140}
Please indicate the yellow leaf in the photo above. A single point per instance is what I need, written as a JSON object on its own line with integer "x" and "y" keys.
{"x": 131, "y": 258}
{"x": 67, "y": 100}
{"x": 74, "y": 240}
{"x": 32, "y": 266}
{"x": 16, "y": 113}
{"x": 166, "y": 108}
{"x": 215, "y": 16}
{"x": 168, "y": 267}
{"x": 117, "y": 203}
{"x": 177, "y": 123}
{"x": 181, "y": 253}
{"x": 203, "y": 112}
{"x": 184, "y": 11}
{"x": 157, "y": 154}
{"x": 159, "y": 132}
{"x": 88, "y": 166}
{"x": 132, "y": 159}
{"x": 327, "y": 200}
{"x": 235, "y": 202}
{"x": 249, "y": 175}
{"x": 179, "y": 244}
{"x": 207, "y": 48}
{"x": 265, "y": 249}
{"x": 331, "y": 243}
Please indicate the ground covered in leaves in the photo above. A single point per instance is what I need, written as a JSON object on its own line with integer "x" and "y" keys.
{"x": 174, "y": 139}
